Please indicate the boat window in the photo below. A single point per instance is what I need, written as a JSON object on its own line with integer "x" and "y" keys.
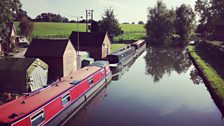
{"x": 65, "y": 99}
{"x": 38, "y": 119}
{"x": 113, "y": 59}
{"x": 90, "y": 81}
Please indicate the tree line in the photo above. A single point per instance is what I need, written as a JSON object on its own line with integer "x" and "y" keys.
{"x": 50, "y": 17}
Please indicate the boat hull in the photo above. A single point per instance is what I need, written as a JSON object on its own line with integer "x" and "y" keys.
{"x": 78, "y": 104}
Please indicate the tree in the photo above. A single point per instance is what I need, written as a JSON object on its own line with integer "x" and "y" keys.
{"x": 8, "y": 8}
{"x": 109, "y": 23}
{"x": 211, "y": 14}
{"x": 184, "y": 22}
{"x": 26, "y": 26}
{"x": 20, "y": 14}
{"x": 159, "y": 26}
{"x": 202, "y": 7}
{"x": 140, "y": 22}
{"x": 94, "y": 27}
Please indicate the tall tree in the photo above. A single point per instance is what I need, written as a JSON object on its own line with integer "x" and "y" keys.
{"x": 211, "y": 13}
{"x": 20, "y": 13}
{"x": 140, "y": 22}
{"x": 8, "y": 8}
{"x": 159, "y": 25}
{"x": 109, "y": 23}
{"x": 94, "y": 26}
{"x": 26, "y": 26}
{"x": 184, "y": 23}
{"x": 202, "y": 7}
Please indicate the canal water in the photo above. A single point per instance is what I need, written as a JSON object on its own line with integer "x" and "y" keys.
{"x": 161, "y": 88}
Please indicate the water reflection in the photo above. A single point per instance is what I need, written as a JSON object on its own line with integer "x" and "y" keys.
{"x": 195, "y": 77}
{"x": 162, "y": 60}
{"x": 80, "y": 118}
{"x": 134, "y": 100}
{"x": 118, "y": 73}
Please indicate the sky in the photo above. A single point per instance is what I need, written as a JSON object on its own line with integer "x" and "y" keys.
{"x": 125, "y": 10}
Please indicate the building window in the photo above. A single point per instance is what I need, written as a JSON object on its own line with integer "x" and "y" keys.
{"x": 38, "y": 118}
{"x": 65, "y": 99}
{"x": 90, "y": 81}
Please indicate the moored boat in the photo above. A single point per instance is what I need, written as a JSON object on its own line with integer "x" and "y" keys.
{"x": 140, "y": 47}
{"x": 121, "y": 58}
{"x": 53, "y": 104}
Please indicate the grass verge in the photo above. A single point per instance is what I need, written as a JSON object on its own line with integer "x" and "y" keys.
{"x": 214, "y": 79}
{"x": 115, "y": 47}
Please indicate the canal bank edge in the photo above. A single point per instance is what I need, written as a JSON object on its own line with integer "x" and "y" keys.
{"x": 212, "y": 80}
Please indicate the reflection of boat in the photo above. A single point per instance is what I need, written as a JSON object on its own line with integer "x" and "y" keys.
{"x": 50, "y": 105}
{"x": 93, "y": 105}
{"x": 118, "y": 74}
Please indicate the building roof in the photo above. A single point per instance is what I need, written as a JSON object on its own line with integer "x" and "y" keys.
{"x": 47, "y": 48}
{"x": 15, "y": 64}
{"x": 14, "y": 72}
{"x": 93, "y": 39}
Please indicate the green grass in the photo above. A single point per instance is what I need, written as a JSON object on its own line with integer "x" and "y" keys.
{"x": 132, "y": 27}
{"x": 128, "y": 37}
{"x": 217, "y": 83}
{"x": 131, "y": 32}
{"x": 63, "y": 30}
{"x": 116, "y": 47}
{"x": 59, "y": 30}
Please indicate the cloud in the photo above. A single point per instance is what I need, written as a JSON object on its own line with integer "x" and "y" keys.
{"x": 116, "y": 3}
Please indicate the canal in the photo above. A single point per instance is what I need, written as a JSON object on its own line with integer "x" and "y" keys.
{"x": 161, "y": 88}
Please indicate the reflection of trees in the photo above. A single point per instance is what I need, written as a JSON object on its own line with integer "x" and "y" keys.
{"x": 195, "y": 77}
{"x": 161, "y": 60}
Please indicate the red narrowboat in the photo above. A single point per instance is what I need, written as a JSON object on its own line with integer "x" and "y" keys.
{"x": 52, "y": 105}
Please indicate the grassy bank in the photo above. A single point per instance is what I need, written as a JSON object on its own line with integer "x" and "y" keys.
{"x": 215, "y": 80}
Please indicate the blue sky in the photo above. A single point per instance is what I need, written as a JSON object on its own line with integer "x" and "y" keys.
{"x": 125, "y": 10}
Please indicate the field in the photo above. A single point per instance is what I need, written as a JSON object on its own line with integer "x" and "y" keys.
{"x": 63, "y": 30}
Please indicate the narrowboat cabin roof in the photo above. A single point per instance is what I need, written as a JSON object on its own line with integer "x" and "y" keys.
{"x": 100, "y": 63}
{"x": 12, "y": 111}
{"x": 139, "y": 42}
